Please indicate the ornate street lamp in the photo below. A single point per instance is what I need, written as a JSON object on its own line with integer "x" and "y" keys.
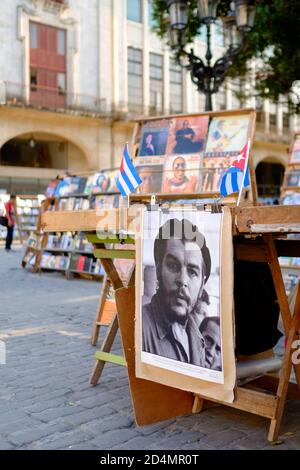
{"x": 237, "y": 23}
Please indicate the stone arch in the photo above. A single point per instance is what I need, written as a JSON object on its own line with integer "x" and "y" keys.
{"x": 269, "y": 177}
{"x": 75, "y": 154}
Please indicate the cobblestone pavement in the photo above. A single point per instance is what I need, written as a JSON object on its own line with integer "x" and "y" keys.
{"x": 46, "y": 401}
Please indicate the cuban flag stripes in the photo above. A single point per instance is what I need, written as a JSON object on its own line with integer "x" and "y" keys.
{"x": 128, "y": 178}
{"x": 237, "y": 176}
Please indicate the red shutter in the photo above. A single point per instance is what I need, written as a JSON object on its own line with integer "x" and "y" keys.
{"x": 48, "y": 63}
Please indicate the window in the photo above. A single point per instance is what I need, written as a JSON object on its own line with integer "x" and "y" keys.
{"x": 156, "y": 81}
{"x": 135, "y": 79}
{"x": 47, "y": 65}
{"x": 134, "y": 10}
{"x": 61, "y": 42}
{"x": 33, "y": 35}
{"x": 33, "y": 78}
{"x": 175, "y": 87}
{"x": 151, "y": 21}
{"x": 61, "y": 83}
{"x": 286, "y": 120}
{"x": 219, "y": 33}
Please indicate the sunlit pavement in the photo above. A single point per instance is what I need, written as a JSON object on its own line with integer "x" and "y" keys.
{"x": 46, "y": 401}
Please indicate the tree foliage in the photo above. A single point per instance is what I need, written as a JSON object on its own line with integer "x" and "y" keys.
{"x": 274, "y": 41}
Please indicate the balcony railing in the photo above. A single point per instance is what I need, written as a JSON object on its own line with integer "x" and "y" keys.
{"x": 41, "y": 97}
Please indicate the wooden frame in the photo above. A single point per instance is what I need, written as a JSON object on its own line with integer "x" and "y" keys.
{"x": 136, "y": 141}
{"x": 265, "y": 247}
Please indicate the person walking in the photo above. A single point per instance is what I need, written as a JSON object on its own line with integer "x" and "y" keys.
{"x": 9, "y": 220}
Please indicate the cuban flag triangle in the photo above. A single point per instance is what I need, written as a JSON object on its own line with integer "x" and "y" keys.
{"x": 128, "y": 178}
{"x": 237, "y": 176}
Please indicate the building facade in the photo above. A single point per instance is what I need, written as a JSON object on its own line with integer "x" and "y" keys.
{"x": 74, "y": 75}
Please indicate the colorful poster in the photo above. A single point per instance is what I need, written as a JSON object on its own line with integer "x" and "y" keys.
{"x": 227, "y": 134}
{"x": 101, "y": 182}
{"x": 187, "y": 135}
{"x": 295, "y": 155}
{"x": 181, "y": 174}
{"x": 212, "y": 171}
{"x": 293, "y": 178}
{"x": 154, "y": 136}
{"x": 151, "y": 176}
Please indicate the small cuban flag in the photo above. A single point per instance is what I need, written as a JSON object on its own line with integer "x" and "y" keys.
{"x": 237, "y": 175}
{"x": 128, "y": 178}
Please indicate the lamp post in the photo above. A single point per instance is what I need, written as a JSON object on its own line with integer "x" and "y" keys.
{"x": 239, "y": 21}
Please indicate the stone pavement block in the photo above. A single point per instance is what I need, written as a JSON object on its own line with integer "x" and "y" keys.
{"x": 61, "y": 440}
{"x": 23, "y": 437}
{"x": 4, "y": 445}
{"x": 88, "y": 415}
{"x": 57, "y": 412}
{"x": 11, "y": 426}
{"x": 97, "y": 427}
{"x": 175, "y": 441}
{"x": 113, "y": 438}
{"x": 222, "y": 439}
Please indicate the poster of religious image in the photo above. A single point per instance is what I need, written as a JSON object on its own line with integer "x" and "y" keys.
{"x": 179, "y": 299}
{"x": 151, "y": 176}
{"x": 227, "y": 135}
{"x": 293, "y": 178}
{"x": 212, "y": 172}
{"x": 181, "y": 173}
{"x": 187, "y": 135}
{"x": 154, "y": 136}
{"x": 101, "y": 182}
{"x": 295, "y": 155}
{"x": 113, "y": 176}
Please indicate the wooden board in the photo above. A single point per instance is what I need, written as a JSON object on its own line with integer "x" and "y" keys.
{"x": 268, "y": 219}
{"x": 106, "y": 221}
{"x": 151, "y": 401}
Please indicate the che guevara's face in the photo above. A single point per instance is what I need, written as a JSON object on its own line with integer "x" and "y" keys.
{"x": 181, "y": 277}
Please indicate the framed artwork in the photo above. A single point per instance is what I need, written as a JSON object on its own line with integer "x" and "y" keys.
{"x": 293, "y": 178}
{"x": 151, "y": 176}
{"x": 187, "y": 135}
{"x": 295, "y": 154}
{"x": 154, "y": 136}
{"x": 181, "y": 174}
{"x": 227, "y": 135}
{"x": 212, "y": 171}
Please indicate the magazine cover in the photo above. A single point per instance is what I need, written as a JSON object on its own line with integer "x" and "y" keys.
{"x": 187, "y": 135}
{"x": 50, "y": 191}
{"x": 293, "y": 178}
{"x": 89, "y": 185}
{"x": 227, "y": 134}
{"x": 101, "y": 182}
{"x": 212, "y": 172}
{"x": 154, "y": 136}
{"x": 181, "y": 174}
{"x": 295, "y": 155}
{"x": 64, "y": 187}
{"x": 151, "y": 176}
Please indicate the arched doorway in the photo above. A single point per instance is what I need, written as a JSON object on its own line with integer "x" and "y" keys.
{"x": 269, "y": 178}
{"x": 28, "y": 161}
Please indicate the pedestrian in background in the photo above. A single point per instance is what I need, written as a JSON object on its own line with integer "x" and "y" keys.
{"x": 9, "y": 220}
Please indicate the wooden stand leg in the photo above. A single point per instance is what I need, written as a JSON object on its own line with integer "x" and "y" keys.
{"x": 104, "y": 291}
{"x": 198, "y": 404}
{"x": 285, "y": 374}
{"x": 281, "y": 294}
{"x": 106, "y": 347}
